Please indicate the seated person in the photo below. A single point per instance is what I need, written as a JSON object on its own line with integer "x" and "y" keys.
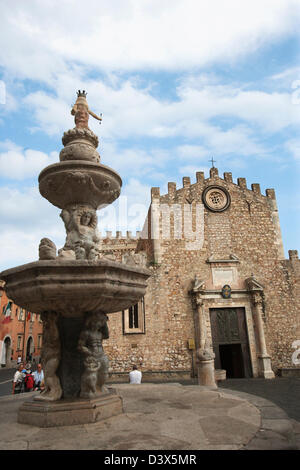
{"x": 135, "y": 376}
{"x": 38, "y": 377}
{"x": 18, "y": 380}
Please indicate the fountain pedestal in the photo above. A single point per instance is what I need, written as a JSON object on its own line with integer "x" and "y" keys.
{"x": 78, "y": 383}
{"x": 68, "y": 412}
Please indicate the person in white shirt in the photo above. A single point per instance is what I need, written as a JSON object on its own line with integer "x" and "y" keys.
{"x": 18, "y": 379}
{"x": 135, "y": 376}
{"x": 38, "y": 377}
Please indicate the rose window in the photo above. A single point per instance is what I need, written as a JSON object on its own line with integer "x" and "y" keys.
{"x": 216, "y": 199}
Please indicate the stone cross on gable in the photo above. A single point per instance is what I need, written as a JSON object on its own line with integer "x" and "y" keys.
{"x": 212, "y": 162}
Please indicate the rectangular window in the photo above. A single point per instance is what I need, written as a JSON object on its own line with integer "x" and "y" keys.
{"x": 133, "y": 319}
{"x": 39, "y": 343}
{"x": 133, "y": 316}
{"x": 19, "y": 341}
{"x": 21, "y": 314}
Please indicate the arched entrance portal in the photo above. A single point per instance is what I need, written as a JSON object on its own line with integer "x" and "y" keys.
{"x": 6, "y": 353}
{"x": 29, "y": 349}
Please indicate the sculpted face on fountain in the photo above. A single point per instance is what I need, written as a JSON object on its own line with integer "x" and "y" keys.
{"x": 86, "y": 218}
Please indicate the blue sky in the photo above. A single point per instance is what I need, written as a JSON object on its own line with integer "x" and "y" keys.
{"x": 177, "y": 82}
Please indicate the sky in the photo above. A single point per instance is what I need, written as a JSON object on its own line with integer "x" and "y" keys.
{"x": 177, "y": 82}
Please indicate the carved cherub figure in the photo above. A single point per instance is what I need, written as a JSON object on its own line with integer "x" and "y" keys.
{"x": 95, "y": 360}
{"x": 82, "y": 235}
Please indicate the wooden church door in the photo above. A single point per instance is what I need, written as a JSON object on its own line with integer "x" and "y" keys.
{"x": 230, "y": 341}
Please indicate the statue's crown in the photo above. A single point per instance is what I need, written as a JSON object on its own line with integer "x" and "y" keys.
{"x": 81, "y": 93}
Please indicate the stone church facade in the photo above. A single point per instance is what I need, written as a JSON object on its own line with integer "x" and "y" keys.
{"x": 219, "y": 283}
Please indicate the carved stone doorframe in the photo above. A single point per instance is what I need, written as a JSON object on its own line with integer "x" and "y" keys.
{"x": 256, "y": 292}
{"x": 252, "y": 299}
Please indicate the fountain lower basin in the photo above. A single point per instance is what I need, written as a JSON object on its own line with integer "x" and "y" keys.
{"x": 72, "y": 287}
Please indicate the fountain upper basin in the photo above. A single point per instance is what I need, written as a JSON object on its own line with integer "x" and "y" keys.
{"x": 79, "y": 182}
{"x": 72, "y": 287}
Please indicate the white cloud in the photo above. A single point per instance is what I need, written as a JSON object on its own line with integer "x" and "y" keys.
{"x": 130, "y": 112}
{"x": 17, "y": 247}
{"x": 135, "y": 162}
{"x": 286, "y": 78}
{"x": 293, "y": 147}
{"x": 238, "y": 139}
{"x": 26, "y": 218}
{"x": 271, "y": 111}
{"x": 51, "y": 114}
{"x": 193, "y": 152}
{"x": 191, "y": 170}
{"x": 17, "y": 163}
{"x": 129, "y": 211}
{"x": 42, "y": 37}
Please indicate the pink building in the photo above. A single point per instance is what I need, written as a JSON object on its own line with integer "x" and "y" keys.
{"x": 21, "y": 332}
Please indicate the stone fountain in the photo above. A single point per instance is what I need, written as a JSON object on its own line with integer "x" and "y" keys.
{"x": 75, "y": 288}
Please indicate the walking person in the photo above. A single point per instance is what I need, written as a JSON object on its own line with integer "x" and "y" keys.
{"x": 135, "y": 376}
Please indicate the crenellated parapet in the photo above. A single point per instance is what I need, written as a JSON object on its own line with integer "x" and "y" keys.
{"x": 118, "y": 236}
{"x": 186, "y": 181}
{"x": 293, "y": 255}
{"x": 292, "y": 264}
{"x": 200, "y": 176}
{"x": 114, "y": 246}
{"x": 214, "y": 177}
